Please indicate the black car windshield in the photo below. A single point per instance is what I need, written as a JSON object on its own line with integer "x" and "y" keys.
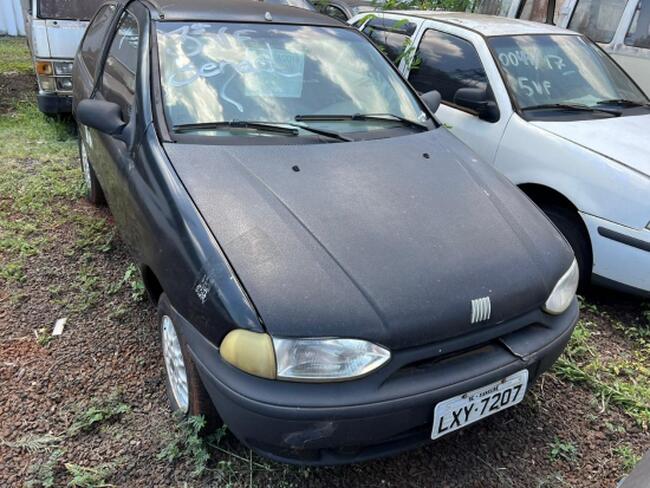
{"x": 68, "y": 9}
{"x": 554, "y": 70}
{"x": 218, "y": 72}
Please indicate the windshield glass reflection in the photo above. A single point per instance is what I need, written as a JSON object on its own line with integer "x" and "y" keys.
{"x": 550, "y": 69}
{"x": 215, "y": 72}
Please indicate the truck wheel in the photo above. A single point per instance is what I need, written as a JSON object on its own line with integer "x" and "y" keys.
{"x": 573, "y": 229}
{"x": 94, "y": 192}
{"x": 185, "y": 391}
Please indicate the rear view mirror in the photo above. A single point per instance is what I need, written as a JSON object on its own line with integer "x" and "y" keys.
{"x": 477, "y": 100}
{"x": 432, "y": 100}
{"x": 104, "y": 116}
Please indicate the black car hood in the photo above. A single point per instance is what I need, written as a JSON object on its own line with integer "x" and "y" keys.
{"x": 372, "y": 239}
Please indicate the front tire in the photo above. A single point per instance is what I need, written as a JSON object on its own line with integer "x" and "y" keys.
{"x": 571, "y": 226}
{"x": 185, "y": 391}
{"x": 94, "y": 192}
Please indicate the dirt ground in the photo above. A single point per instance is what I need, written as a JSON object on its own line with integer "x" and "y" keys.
{"x": 88, "y": 407}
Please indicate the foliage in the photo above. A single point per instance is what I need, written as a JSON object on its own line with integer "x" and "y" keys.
{"x": 628, "y": 457}
{"x": 43, "y": 474}
{"x": 564, "y": 450}
{"x": 99, "y": 411}
{"x": 622, "y": 381}
{"x": 187, "y": 442}
{"x": 86, "y": 477}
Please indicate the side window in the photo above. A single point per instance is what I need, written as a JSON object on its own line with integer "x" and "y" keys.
{"x": 447, "y": 64}
{"x": 390, "y": 35}
{"x": 118, "y": 78}
{"x": 639, "y": 33}
{"x": 335, "y": 12}
{"x": 597, "y": 19}
{"x": 91, "y": 46}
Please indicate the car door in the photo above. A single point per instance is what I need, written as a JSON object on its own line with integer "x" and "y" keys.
{"x": 448, "y": 61}
{"x": 393, "y": 34}
{"x": 113, "y": 159}
{"x": 633, "y": 52}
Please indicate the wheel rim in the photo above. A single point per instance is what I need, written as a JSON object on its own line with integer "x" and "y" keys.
{"x": 175, "y": 364}
{"x": 85, "y": 164}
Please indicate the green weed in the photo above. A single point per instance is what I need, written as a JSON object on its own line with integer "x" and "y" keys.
{"x": 86, "y": 477}
{"x": 628, "y": 457}
{"x": 563, "y": 450}
{"x": 98, "y": 412}
{"x": 187, "y": 442}
{"x": 43, "y": 474}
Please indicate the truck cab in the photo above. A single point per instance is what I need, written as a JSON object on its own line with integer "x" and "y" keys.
{"x": 620, "y": 27}
{"x": 54, "y": 29}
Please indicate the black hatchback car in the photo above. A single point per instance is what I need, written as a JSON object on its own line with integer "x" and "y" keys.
{"x": 337, "y": 277}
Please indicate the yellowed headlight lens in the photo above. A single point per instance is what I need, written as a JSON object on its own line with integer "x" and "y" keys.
{"x": 251, "y": 352}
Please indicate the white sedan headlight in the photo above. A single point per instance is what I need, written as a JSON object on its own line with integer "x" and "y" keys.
{"x": 309, "y": 360}
{"x": 564, "y": 291}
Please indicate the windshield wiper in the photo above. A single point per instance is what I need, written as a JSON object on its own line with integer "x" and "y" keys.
{"x": 623, "y": 102}
{"x": 571, "y": 106}
{"x": 320, "y": 132}
{"x": 272, "y": 127}
{"x": 237, "y": 124}
{"x": 341, "y": 117}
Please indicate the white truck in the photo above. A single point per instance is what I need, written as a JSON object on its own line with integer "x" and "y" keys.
{"x": 54, "y": 29}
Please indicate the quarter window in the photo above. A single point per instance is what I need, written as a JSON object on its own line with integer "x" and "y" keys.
{"x": 448, "y": 63}
{"x": 118, "y": 80}
{"x": 91, "y": 47}
{"x": 597, "y": 19}
{"x": 392, "y": 36}
{"x": 639, "y": 33}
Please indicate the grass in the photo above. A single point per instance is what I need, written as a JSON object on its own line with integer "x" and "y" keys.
{"x": 628, "y": 457}
{"x": 620, "y": 379}
{"x": 14, "y": 56}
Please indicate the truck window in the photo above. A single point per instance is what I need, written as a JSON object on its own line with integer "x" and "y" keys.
{"x": 536, "y": 10}
{"x": 68, "y": 9}
{"x": 390, "y": 35}
{"x": 597, "y": 19}
{"x": 492, "y": 7}
{"x": 639, "y": 33}
{"x": 447, "y": 64}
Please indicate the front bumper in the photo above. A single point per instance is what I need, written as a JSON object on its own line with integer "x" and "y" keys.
{"x": 384, "y": 413}
{"x": 53, "y": 103}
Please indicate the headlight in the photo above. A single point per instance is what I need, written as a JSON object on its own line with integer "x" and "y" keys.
{"x": 327, "y": 359}
{"x": 63, "y": 68}
{"x": 564, "y": 291}
{"x": 309, "y": 360}
{"x": 47, "y": 84}
{"x": 64, "y": 84}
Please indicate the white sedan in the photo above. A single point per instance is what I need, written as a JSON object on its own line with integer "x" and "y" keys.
{"x": 550, "y": 110}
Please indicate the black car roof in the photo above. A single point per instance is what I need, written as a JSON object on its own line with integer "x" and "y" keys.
{"x": 238, "y": 11}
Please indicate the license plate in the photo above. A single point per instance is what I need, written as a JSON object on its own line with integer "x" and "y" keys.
{"x": 465, "y": 409}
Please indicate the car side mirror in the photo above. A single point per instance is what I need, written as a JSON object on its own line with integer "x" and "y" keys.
{"x": 477, "y": 100}
{"x": 104, "y": 116}
{"x": 432, "y": 100}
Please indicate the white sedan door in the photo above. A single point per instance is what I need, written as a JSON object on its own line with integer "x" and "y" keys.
{"x": 447, "y": 59}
